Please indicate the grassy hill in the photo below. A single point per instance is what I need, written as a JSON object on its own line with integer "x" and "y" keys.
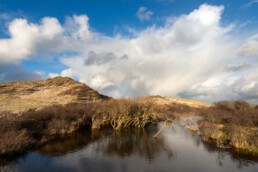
{"x": 23, "y": 96}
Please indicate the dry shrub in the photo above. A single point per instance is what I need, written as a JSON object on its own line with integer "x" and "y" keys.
{"x": 124, "y": 113}
{"x": 243, "y": 137}
{"x": 15, "y": 141}
{"x": 238, "y": 105}
{"x": 232, "y": 123}
{"x": 232, "y": 112}
{"x": 61, "y": 119}
{"x": 12, "y": 137}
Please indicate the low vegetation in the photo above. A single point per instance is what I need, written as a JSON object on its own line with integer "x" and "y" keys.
{"x": 231, "y": 124}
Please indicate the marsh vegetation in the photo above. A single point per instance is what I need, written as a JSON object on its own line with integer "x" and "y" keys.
{"x": 231, "y": 124}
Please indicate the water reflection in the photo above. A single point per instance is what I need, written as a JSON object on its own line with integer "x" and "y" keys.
{"x": 108, "y": 142}
{"x": 175, "y": 149}
{"x": 239, "y": 158}
{"x": 67, "y": 144}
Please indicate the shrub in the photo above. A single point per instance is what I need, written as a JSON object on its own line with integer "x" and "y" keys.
{"x": 238, "y": 105}
{"x": 236, "y": 121}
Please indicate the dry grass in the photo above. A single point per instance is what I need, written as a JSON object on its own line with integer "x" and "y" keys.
{"x": 124, "y": 113}
{"x": 18, "y": 97}
{"x": 161, "y": 100}
{"x": 13, "y": 138}
{"x": 232, "y": 112}
{"x": 231, "y": 124}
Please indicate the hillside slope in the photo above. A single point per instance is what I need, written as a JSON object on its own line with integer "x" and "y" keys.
{"x": 22, "y": 96}
{"x": 163, "y": 100}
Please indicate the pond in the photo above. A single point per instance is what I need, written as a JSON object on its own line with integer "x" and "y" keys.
{"x": 175, "y": 149}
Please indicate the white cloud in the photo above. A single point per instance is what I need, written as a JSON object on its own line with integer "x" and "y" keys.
{"x": 30, "y": 39}
{"x": 68, "y": 73}
{"x": 207, "y": 15}
{"x": 144, "y": 14}
{"x": 165, "y": 60}
{"x": 250, "y": 48}
{"x": 52, "y": 75}
{"x": 27, "y": 39}
{"x": 65, "y": 73}
{"x": 192, "y": 56}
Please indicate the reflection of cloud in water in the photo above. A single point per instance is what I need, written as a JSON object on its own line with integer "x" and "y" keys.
{"x": 189, "y": 149}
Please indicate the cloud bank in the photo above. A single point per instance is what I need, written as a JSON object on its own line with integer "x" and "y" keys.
{"x": 190, "y": 56}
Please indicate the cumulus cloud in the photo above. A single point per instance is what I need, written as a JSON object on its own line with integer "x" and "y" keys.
{"x": 65, "y": 73}
{"x": 144, "y": 14}
{"x": 27, "y": 39}
{"x": 191, "y": 56}
{"x": 48, "y": 36}
{"x": 164, "y": 60}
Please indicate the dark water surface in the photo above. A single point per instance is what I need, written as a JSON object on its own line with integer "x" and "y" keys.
{"x": 134, "y": 150}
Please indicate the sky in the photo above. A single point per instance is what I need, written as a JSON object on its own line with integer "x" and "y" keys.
{"x": 203, "y": 50}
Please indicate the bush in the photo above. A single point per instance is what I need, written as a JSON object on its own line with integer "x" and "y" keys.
{"x": 235, "y": 124}
{"x": 229, "y": 112}
{"x": 238, "y": 105}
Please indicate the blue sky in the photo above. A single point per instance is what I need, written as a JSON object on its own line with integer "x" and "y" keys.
{"x": 109, "y": 17}
{"x": 155, "y": 38}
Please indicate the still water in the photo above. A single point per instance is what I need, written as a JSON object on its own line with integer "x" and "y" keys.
{"x": 175, "y": 149}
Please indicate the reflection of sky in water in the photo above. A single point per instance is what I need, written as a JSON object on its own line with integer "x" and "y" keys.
{"x": 174, "y": 150}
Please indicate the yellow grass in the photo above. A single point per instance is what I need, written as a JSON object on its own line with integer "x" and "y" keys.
{"x": 163, "y": 100}
{"x": 22, "y": 96}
